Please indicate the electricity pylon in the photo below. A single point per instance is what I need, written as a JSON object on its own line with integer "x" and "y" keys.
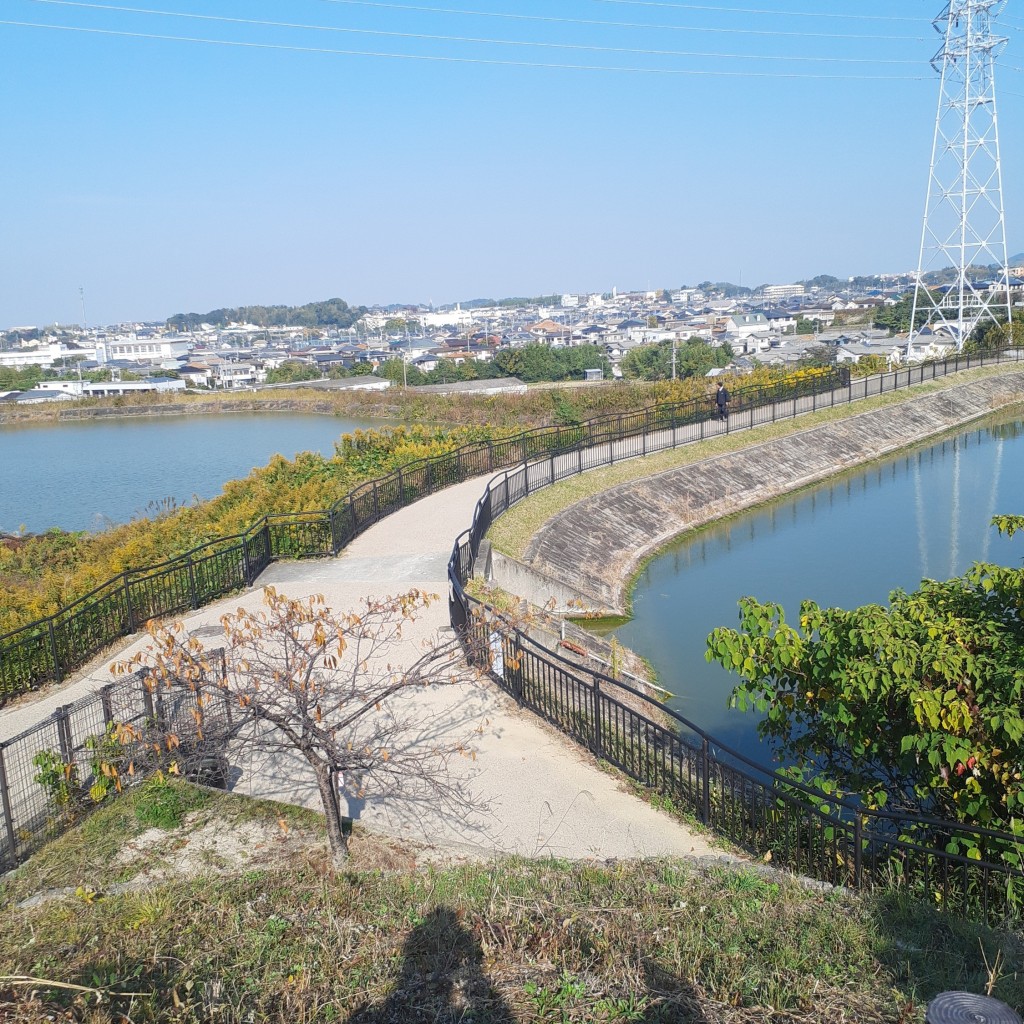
{"x": 964, "y": 226}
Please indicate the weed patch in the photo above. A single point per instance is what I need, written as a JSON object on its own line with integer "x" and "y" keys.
{"x": 162, "y": 803}
{"x": 507, "y": 941}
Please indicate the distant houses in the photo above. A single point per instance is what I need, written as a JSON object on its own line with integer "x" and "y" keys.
{"x": 780, "y": 324}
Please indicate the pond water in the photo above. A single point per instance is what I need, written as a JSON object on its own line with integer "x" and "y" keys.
{"x": 844, "y": 543}
{"x": 89, "y": 474}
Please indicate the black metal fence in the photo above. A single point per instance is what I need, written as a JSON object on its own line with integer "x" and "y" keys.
{"x": 749, "y": 803}
{"x": 756, "y": 807}
{"x": 49, "y": 773}
{"x": 48, "y": 649}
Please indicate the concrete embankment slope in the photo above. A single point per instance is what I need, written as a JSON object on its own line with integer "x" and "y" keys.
{"x": 595, "y": 546}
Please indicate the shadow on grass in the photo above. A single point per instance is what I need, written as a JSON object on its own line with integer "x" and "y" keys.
{"x": 441, "y": 979}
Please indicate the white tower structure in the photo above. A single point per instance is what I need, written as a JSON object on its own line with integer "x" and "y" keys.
{"x": 964, "y": 225}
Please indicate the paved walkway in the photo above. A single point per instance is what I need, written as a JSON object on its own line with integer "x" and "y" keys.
{"x": 532, "y": 791}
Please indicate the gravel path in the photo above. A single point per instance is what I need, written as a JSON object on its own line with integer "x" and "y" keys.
{"x": 532, "y": 791}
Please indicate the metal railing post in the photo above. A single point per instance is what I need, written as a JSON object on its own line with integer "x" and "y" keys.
{"x": 193, "y": 594}
{"x": 858, "y": 852}
{"x": 330, "y": 526}
{"x": 8, "y": 813}
{"x": 107, "y": 704}
{"x": 147, "y": 698}
{"x": 60, "y": 717}
{"x": 132, "y": 626}
{"x": 705, "y": 796}
{"x": 246, "y": 567}
{"x": 517, "y": 671}
{"x": 58, "y": 674}
{"x": 597, "y": 741}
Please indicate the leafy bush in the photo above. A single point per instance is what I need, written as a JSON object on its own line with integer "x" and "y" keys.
{"x": 911, "y": 707}
{"x": 58, "y": 778}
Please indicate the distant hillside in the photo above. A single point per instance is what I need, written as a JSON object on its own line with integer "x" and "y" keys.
{"x": 1018, "y": 260}
{"x": 330, "y": 313}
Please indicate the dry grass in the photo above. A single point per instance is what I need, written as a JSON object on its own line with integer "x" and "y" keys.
{"x": 508, "y": 941}
{"x": 516, "y": 528}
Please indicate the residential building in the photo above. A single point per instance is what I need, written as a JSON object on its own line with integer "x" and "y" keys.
{"x": 777, "y": 292}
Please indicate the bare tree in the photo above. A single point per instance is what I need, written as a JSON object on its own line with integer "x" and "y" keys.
{"x": 326, "y": 686}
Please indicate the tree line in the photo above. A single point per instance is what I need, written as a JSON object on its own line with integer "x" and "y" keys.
{"x": 329, "y": 313}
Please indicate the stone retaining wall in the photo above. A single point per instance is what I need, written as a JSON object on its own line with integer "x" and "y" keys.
{"x": 595, "y": 546}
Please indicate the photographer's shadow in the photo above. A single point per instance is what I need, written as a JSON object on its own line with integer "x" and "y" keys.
{"x": 441, "y": 980}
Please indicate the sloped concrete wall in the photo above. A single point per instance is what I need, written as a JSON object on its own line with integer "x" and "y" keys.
{"x": 594, "y": 547}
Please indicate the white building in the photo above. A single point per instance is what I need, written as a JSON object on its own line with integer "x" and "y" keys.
{"x": 236, "y": 375}
{"x": 743, "y": 325}
{"x": 86, "y": 389}
{"x": 45, "y": 355}
{"x": 457, "y": 317}
{"x": 775, "y": 292}
{"x": 157, "y": 349}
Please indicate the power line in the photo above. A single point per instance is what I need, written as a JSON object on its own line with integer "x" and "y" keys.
{"x": 744, "y": 10}
{"x": 435, "y": 58}
{"x": 393, "y": 6}
{"x": 470, "y": 39}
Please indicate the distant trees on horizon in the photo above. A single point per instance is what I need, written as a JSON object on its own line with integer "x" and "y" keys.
{"x": 329, "y": 313}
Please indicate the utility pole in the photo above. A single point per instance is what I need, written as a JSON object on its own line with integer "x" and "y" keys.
{"x": 964, "y": 223}
{"x": 81, "y": 295}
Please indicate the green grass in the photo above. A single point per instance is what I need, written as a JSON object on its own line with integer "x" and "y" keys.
{"x": 516, "y": 528}
{"x": 506, "y": 941}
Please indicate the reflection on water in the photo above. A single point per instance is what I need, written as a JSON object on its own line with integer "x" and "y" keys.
{"x": 844, "y": 543}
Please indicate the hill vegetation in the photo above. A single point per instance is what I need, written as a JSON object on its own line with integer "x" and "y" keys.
{"x": 512, "y": 302}
{"x": 329, "y": 313}
{"x": 177, "y": 904}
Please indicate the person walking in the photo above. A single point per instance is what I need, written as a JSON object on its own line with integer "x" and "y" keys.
{"x": 722, "y": 401}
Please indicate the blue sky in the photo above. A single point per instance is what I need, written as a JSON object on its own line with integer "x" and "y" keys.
{"x": 163, "y": 175}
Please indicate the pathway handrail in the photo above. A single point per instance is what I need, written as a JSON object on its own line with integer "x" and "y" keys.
{"x": 49, "y": 648}
{"x": 851, "y": 806}
{"x": 864, "y": 844}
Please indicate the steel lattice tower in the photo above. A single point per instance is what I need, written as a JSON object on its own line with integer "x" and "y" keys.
{"x": 964, "y": 225}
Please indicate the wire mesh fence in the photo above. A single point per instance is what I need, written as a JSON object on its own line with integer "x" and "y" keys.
{"x": 85, "y": 752}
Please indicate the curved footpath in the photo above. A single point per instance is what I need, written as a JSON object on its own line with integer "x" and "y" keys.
{"x": 533, "y": 791}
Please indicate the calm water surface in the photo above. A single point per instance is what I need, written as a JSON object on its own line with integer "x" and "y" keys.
{"x": 84, "y": 476}
{"x": 846, "y": 543}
